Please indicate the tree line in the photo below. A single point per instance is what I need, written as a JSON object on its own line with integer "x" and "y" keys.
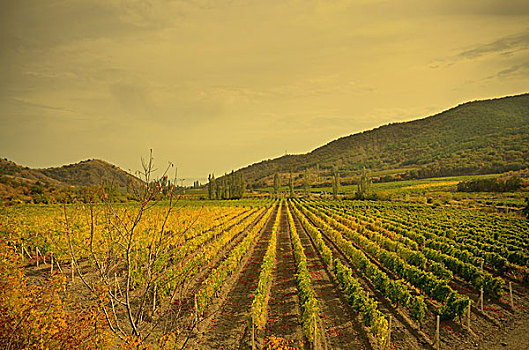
{"x": 510, "y": 184}
{"x": 229, "y": 186}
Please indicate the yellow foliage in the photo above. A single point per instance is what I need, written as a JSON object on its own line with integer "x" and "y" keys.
{"x": 37, "y": 317}
{"x": 278, "y": 343}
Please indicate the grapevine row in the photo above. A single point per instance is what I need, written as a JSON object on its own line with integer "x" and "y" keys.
{"x": 212, "y": 284}
{"x": 432, "y": 286}
{"x": 307, "y": 296}
{"x": 438, "y": 261}
{"x": 355, "y": 294}
{"x": 261, "y": 294}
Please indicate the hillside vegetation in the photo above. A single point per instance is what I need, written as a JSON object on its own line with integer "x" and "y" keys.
{"x": 480, "y": 137}
{"x": 23, "y": 184}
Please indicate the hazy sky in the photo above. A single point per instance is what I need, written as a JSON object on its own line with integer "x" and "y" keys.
{"x": 217, "y": 85}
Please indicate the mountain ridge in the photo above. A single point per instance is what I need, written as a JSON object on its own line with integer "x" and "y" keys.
{"x": 481, "y": 136}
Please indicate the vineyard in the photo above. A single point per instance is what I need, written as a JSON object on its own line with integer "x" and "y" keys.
{"x": 273, "y": 273}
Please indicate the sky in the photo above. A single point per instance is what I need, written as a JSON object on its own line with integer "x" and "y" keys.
{"x": 214, "y": 85}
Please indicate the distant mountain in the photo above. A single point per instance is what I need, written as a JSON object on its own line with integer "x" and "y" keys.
{"x": 21, "y": 182}
{"x": 487, "y": 136}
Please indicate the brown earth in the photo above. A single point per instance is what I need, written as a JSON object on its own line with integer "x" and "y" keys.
{"x": 226, "y": 328}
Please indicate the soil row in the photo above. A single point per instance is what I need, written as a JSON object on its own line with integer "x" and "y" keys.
{"x": 225, "y": 322}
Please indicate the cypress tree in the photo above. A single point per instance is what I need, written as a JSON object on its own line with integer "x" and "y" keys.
{"x": 363, "y": 184}
{"x": 242, "y": 185}
{"x": 210, "y": 186}
{"x": 233, "y": 185}
{"x": 218, "y": 189}
{"x": 291, "y": 186}
{"x": 276, "y": 184}
{"x": 226, "y": 187}
{"x": 306, "y": 183}
{"x": 335, "y": 183}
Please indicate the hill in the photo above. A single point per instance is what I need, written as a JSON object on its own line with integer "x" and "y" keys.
{"x": 90, "y": 172}
{"x": 27, "y": 184}
{"x": 478, "y": 137}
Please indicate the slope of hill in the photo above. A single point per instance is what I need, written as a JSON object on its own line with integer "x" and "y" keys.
{"x": 27, "y": 185}
{"x": 473, "y": 138}
{"x": 89, "y": 173}
{"x": 11, "y": 170}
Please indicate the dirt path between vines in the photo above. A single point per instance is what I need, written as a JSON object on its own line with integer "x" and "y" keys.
{"x": 185, "y": 302}
{"x": 339, "y": 320}
{"x": 284, "y": 314}
{"x": 227, "y": 327}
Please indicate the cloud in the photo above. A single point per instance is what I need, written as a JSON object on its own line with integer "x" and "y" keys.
{"x": 40, "y": 105}
{"x": 519, "y": 70}
{"x": 505, "y": 45}
{"x": 511, "y": 8}
{"x": 42, "y": 25}
{"x": 133, "y": 99}
{"x": 318, "y": 86}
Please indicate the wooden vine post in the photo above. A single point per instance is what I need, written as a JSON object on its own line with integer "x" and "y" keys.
{"x": 510, "y": 293}
{"x": 154, "y": 298}
{"x": 196, "y": 311}
{"x": 437, "y": 344}
{"x": 37, "y": 253}
{"x": 51, "y": 264}
{"x": 388, "y": 341}
{"x": 253, "y": 328}
{"x": 314, "y": 326}
{"x": 468, "y": 314}
{"x": 481, "y": 299}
